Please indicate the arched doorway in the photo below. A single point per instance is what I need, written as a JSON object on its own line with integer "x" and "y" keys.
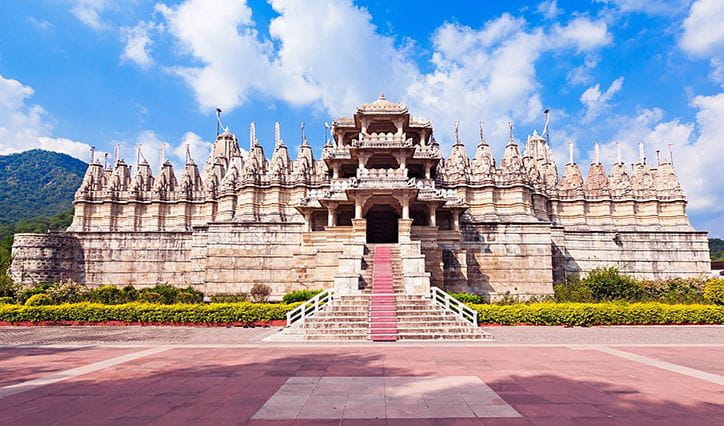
{"x": 382, "y": 224}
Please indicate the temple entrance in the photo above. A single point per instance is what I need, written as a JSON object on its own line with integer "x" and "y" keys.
{"x": 382, "y": 224}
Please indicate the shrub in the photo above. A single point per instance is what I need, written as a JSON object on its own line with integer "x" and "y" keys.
{"x": 221, "y": 313}
{"x": 300, "y": 295}
{"x": 4, "y": 300}
{"x": 130, "y": 294}
{"x": 260, "y": 293}
{"x": 608, "y": 284}
{"x": 714, "y": 291}
{"x": 168, "y": 294}
{"x": 7, "y": 287}
{"x": 587, "y": 314}
{"x": 230, "y": 298}
{"x": 27, "y": 293}
{"x": 68, "y": 292}
{"x": 40, "y": 299}
{"x": 150, "y": 297}
{"x": 469, "y": 298}
{"x": 108, "y": 294}
{"x": 187, "y": 297}
{"x": 573, "y": 290}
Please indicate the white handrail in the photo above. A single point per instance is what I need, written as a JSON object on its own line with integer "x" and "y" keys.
{"x": 310, "y": 307}
{"x": 454, "y": 306}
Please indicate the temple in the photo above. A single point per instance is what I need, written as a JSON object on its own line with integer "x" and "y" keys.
{"x": 458, "y": 223}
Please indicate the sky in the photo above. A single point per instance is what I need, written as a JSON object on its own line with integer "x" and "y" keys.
{"x": 82, "y": 73}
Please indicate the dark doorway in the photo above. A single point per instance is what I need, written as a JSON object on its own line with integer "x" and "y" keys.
{"x": 382, "y": 224}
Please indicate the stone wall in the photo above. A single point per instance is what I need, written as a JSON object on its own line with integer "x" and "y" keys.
{"x": 642, "y": 254}
{"x": 96, "y": 258}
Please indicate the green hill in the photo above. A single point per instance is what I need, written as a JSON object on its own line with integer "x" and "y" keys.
{"x": 37, "y": 183}
{"x": 716, "y": 248}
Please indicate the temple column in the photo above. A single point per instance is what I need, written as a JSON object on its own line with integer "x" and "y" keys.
{"x": 332, "y": 215}
{"x": 405, "y": 208}
{"x": 456, "y": 220}
{"x": 335, "y": 171}
{"x": 428, "y": 166}
{"x": 358, "y": 208}
{"x": 433, "y": 215}
{"x": 308, "y": 221}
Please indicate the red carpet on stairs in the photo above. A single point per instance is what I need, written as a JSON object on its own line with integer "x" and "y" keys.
{"x": 383, "y": 307}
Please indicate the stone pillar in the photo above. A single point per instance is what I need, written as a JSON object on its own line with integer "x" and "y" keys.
{"x": 456, "y": 220}
{"x": 428, "y": 166}
{"x": 405, "y": 208}
{"x": 332, "y": 215}
{"x": 335, "y": 170}
{"x": 433, "y": 215}
{"x": 308, "y": 221}
{"x": 404, "y": 227}
{"x": 357, "y": 208}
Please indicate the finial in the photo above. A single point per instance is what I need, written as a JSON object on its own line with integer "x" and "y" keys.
{"x": 510, "y": 127}
{"x": 219, "y": 126}
{"x": 188, "y": 154}
{"x": 597, "y": 154}
{"x": 671, "y": 155}
{"x": 570, "y": 152}
{"x": 382, "y": 95}
{"x": 305, "y": 142}
{"x": 547, "y": 113}
{"x": 658, "y": 158}
{"x": 252, "y": 135}
{"x": 92, "y": 154}
{"x": 618, "y": 153}
{"x": 138, "y": 155}
{"x": 116, "y": 154}
{"x": 163, "y": 154}
{"x": 105, "y": 160}
{"x": 277, "y": 135}
{"x": 457, "y": 132}
{"x": 642, "y": 158}
{"x": 482, "y": 135}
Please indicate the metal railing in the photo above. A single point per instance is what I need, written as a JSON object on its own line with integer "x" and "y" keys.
{"x": 454, "y": 306}
{"x": 309, "y": 308}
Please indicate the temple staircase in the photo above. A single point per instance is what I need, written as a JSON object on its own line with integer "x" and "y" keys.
{"x": 382, "y": 312}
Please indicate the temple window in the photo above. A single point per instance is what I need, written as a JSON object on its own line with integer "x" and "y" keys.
{"x": 416, "y": 171}
{"x": 381, "y": 127}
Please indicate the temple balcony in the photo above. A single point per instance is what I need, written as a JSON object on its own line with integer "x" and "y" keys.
{"x": 382, "y": 140}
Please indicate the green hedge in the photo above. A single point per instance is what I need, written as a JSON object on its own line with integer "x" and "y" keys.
{"x": 148, "y": 313}
{"x": 586, "y": 314}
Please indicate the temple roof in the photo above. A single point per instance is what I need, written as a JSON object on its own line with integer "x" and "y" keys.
{"x": 382, "y": 106}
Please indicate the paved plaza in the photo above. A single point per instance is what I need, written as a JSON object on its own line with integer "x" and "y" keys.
{"x": 528, "y": 375}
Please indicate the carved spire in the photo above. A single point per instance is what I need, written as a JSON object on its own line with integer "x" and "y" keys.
{"x": 116, "y": 154}
{"x": 642, "y": 157}
{"x": 596, "y": 154}
{"x": 570, "y": 153}
{"x": 189, "y": 160}
{"x": 671, "y": 155}
{"x": 277, "y": 135}
{"x": 457, "y": 133}
{"x": 305, "y": 142}
{"x": 92, "y": 155}
{"x": 619, "y": 159}
{"x": 482, "y": 135}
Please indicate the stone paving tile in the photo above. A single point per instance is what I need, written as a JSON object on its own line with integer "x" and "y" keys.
{"x": 228, "y": 386}
{"x": 710, "y": 361}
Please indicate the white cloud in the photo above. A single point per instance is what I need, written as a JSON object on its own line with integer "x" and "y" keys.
{"x": 703, "y": 30}
{"x": 89, "y": 12}
{"x": 40, "y": 24}
{"x": 597, "y": 102}
{"x": 717, "y": 71}
{"x": 330, "y": 55}
{"x": 138, "y": 42}
{"x": 649, "y": 7}
{"x": 549, "y": 9}
{"x": 24, "y": 126}
{"x": 198, "y": 148}
{"x": 581, "y": 75}
{"x": 583, "y": 33}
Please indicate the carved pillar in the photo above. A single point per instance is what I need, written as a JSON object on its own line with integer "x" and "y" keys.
{"x": 335, "y": 170}
{"x": 456, "y": 220}
{"x": 358, "y": 207}
{"x": 433, "y": 215}
{"x": 428, "y": 166}
{"x": 308, "y": 221}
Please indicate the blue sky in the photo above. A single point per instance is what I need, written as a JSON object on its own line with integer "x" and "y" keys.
{"x": 75, "y": 73}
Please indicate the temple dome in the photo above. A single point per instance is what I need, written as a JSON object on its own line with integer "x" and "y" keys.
{"x": 382, "y": 106}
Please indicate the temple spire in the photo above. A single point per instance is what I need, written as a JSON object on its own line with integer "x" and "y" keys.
{"x": 105, "y": 160}
{"x": 482, "y": 134}
{"x": 163, "y": 154}
{"x": 671, "y": 155}
{"x": 642, "y": 157}
{"x": 547, "y": 113}
{"x": 457, "y": 132}
{"x": 658, "y": 158}
{"x": 92, "y": 154}
{"x": 116, "y": 154}
{"x": 219, "y": 126}
{"x": 188, "y": 154}
{"x": 510, "y": 128}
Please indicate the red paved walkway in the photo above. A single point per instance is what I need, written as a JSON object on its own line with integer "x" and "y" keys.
{"x": 383, "y": 308}
{"x": 546, "y": 385}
